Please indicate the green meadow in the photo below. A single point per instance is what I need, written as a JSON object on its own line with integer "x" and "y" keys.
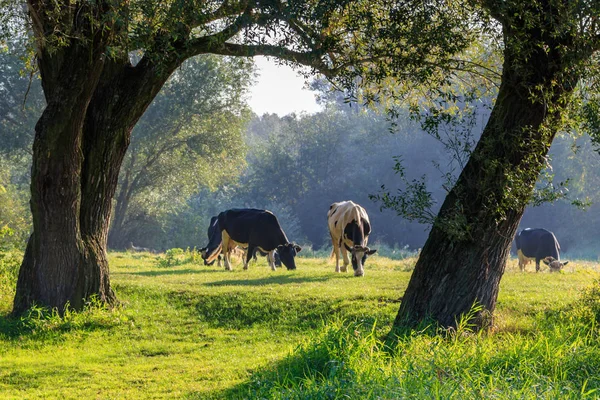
{"x": 185, "y": 330}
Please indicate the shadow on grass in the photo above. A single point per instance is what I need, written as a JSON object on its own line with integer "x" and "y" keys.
{"x": 27, "y": 379}
{"x": 271, "y": 280}
{"x": 326, "y": 365}
{"x": 165, "y": 271}
{"x": 244, "y": 310}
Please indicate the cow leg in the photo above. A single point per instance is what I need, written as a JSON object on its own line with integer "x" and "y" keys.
{"x": 271, "y": 259}
{"x": 226, "y": 250}
{"x": 219, "y": 258}
{"x": 521, "y": 258}
{"x": 346, "y": 259}
{"x": 537, "y": 265}
{"x": 336, "y": 251}
{"x": 248, "y": 252}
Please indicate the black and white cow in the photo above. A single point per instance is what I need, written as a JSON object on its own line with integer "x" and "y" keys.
{"x": 349, "y": 228}
{"x": 251, "y": 229}
{"x": 214, "y": 241}
{"x": 538, "y": 244}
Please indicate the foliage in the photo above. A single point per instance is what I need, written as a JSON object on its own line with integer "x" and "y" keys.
{"x": 172, "y": 257}
{"x": 15, "y": 224}
{"x": 344, "y": 153}
{"x": 189, "y": 137}
{"x": 10, "y": 261}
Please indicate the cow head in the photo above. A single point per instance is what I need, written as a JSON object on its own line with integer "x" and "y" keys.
{"x": 287, "y": 252}
{"x": 210, "y": 255}
{"x": 359, "y": 256}
{"x": 202, "y": 252}
{"x": 554, "y": 264}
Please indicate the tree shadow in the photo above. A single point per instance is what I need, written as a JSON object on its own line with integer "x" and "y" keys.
{"x": 26, "y": 379}
{"x": 244, "y": 310}
{"x": 163, "y": 272}
{"x": 326, "y": 359}
{"x": 271, "y": 280}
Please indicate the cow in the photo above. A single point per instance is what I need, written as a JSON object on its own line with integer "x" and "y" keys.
{"x": 252, "y": 228}
{"x": 349, "y": 228}
{"x": 538, "y": 244}
{"x": 214, "y": 239}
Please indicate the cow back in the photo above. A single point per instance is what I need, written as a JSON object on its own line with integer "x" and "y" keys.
{"x": 350, "y": 217}
{"x": 538, "y": 243}
{"x": 253, "y": 227}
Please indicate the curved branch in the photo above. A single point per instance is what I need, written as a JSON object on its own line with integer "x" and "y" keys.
{"x": 311, "y": 59}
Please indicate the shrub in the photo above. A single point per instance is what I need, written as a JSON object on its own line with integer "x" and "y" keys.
{"x": 173, "y": 257}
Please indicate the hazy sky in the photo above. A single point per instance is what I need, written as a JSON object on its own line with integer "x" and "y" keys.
{"x": 279, "y": 90}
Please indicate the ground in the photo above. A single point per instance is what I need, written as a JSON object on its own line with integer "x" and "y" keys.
{"x": 185, "y": 330}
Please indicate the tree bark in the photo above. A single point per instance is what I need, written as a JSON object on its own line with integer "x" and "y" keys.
{"x": 56, "y": 261}
{"x": 73, "y": 185}
{"x": 465, "y": 254}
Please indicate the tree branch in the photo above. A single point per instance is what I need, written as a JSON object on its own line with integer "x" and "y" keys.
{"x": 310, "y": 58}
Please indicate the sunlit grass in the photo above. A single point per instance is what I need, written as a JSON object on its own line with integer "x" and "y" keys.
{"x": 191, "y": 331}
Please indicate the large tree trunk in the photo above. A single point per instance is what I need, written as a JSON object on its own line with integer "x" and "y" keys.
{"x": 80, "y": 143}
{"x": 464, "y": 257}
{"x": 58, "y": 265}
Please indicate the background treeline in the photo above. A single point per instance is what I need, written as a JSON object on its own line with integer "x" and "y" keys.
{"x": 199, "y": 150}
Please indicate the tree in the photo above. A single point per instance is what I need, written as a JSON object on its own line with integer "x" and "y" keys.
{"x": 95, "y": 94}
{"x": 190, "y": 136}
{"x": 549, "y": 49}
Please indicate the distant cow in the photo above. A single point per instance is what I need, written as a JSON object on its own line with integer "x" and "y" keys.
{"x": 251, "y": 228}
{"x": 349, "y": 228}
{"x": 140, "y": 249}
{"x": 538, "y": 244}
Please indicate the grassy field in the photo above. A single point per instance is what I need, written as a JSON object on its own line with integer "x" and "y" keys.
{"x": 190, "y": 331}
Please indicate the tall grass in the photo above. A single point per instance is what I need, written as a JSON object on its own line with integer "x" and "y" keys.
{"x": 346, "y": 359}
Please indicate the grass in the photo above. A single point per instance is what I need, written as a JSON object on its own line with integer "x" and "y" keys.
{"x": 195, "y": 332}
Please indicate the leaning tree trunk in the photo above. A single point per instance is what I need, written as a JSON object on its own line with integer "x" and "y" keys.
{"x": 79, "y": 147}
{"x": 464, "y": 257}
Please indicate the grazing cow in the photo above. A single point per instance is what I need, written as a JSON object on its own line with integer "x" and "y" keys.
{"x": 538, "y": 244}
{"x": 214, "y": 242}
{"x": 253, "y": 229}
{"x": 349, "y": 228}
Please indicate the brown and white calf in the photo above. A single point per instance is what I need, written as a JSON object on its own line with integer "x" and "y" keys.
{"x": 349, "y": 228}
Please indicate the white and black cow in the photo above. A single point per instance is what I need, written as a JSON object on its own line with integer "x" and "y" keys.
{"x": 349, "y": 228}
{"x": 251, "y": 229}
{"x": 538, "y": 244}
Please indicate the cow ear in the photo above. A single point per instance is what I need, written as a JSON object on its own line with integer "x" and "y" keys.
{"x": 372, "y": 251}
{"x": 565, "y": 263}
{"x": 298, "y": 248}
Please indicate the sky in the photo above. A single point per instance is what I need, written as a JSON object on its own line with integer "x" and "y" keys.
{"x": 279, "y": 89}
